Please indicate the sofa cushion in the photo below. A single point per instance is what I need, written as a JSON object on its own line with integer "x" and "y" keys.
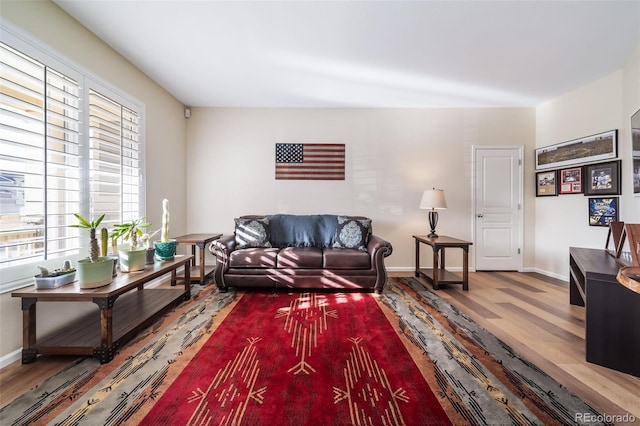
{"x": 300, "y": 257}
{"x": 352, "y": 232}
{"x": 340, "y": 258}
{"x": 252, "y": 232}
{"x": 253, "y": 258}
{"x": 303, "y": 230}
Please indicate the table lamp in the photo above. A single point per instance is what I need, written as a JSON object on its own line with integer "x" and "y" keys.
{"x": 432, "y": 200}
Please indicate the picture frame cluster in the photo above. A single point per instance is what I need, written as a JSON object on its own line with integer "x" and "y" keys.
{"x": 591, "y": 180}
{"x": 577, "y": 167}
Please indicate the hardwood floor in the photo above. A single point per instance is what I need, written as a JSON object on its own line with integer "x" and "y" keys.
{"x": 530, "y": 312}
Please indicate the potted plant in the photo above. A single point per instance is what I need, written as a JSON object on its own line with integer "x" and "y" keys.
{"x": 55, "y": 279}
{"x": 94, "y": 271}
{"x": 165, "y": 248}
{"x": 134, "y": 258}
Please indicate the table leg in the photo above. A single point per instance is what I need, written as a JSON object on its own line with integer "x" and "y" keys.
{"x": 193, "y": 253}
{"x": 187, "y": 282}
{"x": 202, "y": 253}
{"x": 29, "y": 354}
{"x": 106, "y": 351}
{"x": 465, "y": 268}
{"x": 417, "y": 272}
{"x": 436, "y": 269}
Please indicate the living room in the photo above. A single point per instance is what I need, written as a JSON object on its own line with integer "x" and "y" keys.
{"x": 218, "y": 164}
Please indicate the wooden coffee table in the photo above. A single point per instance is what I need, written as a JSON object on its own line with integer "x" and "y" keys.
{"x": 125, "y": 307}
{"x": 199, "y": 272}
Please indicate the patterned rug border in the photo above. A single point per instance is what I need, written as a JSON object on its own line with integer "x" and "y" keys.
{"x": 481, "y": 353}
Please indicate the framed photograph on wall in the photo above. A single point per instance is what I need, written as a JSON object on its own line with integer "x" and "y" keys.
{"x": 603, "y": 211}
{"x": 602, "y": 178}
{"x": 636, "y": 176}
{"x": 571, "y": 181}
{"x": 603, "y": 146}
{"x": 635, "y": 151}
{"x": 546, "y": 183}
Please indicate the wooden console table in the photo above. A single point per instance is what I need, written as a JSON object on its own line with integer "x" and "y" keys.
{"x": 122, "y": 312}
{"x": 612, "y": 316}
{"x": 438, "y": 274}
{"x": 199, "y": 273}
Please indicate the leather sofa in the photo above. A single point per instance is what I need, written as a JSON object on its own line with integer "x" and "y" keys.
{"x": 302, "y": 252}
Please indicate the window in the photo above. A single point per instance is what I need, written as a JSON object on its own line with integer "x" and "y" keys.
{"x": 68, "y": 144}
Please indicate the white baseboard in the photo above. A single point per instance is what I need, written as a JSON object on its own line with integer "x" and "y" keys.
{"x": 459, "y": 269}
{"x": 10, "y": 358}
{"x": 552, "y": 275}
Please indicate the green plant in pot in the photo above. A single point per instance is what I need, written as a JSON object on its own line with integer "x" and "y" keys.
{"x": 94, "y": 271}
{"x": 166, "y": 247}
{"x": 134, "y": 258}
{"x": 57, "y": 278}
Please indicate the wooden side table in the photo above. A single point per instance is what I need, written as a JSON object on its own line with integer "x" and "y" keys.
{"x": 199, "y": 272}
{"x": 438, "y": 274}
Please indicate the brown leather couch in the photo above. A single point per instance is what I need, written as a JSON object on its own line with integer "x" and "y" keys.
{"x": 301, "y": 251}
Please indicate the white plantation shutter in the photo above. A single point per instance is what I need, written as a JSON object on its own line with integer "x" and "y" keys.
{"x": 64, "y": 164}
{"x": 115, "y": 167}
{"x": 68, "y": 144}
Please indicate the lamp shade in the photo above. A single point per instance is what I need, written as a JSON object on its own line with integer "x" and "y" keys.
{"x": 433, "y": 199}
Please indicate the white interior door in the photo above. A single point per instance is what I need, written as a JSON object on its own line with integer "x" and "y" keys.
{"x": 498, "y": 208}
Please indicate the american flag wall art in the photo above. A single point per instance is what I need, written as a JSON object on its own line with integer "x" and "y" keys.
{"x": 310, "y": 161}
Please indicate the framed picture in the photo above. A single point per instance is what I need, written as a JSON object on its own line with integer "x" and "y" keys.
{"x": 636, "y": 176}
{"x": 603, "y": 146}
{"x": 635, "y": 151}
{"x": 571, "y": 181}
{"x": 602, "y": 178}
{"x": 603, "y": 211}
{"x": 546, "y": 183}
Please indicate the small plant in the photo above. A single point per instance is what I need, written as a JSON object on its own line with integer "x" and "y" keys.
{"x": 66, "y": 269}
{"x": 131, "y": 231}
{"x": 104, "y": 242}
{"x": 146, "y": 238}
{"x": 164, "y": 236}
{"x": 94, "y": 252}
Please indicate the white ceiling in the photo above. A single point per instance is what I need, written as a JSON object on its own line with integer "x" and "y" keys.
{"x": 366, "y": 53}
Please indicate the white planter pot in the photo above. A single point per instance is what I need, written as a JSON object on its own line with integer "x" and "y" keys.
{"x": 132, "y": 260}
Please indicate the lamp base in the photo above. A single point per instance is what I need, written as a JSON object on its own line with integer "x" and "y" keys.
{"x": 433, "y": 221}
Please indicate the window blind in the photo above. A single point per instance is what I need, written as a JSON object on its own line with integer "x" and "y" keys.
{"x": 68, "y": 144}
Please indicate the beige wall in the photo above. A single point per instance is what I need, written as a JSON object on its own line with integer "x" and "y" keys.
{"x": 392, "y": 156}
{"x": 605, "y": 104}
{"x": 165, "y": 137}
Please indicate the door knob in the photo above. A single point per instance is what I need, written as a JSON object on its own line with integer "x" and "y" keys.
{"x": 480, "y": 215}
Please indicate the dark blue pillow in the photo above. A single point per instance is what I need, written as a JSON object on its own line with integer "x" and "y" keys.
{"x": 303, "y": 230}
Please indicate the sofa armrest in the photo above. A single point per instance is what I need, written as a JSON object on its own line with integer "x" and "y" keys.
{"x": 221, "y": 249}
{"x": 379, "y": 248}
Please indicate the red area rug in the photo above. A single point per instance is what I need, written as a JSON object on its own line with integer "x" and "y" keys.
{"x": 304, "y": 358}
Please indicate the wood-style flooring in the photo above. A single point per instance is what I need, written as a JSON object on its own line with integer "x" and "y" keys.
{"x": 530, "y": 312}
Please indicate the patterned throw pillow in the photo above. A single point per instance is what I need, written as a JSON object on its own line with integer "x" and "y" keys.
{"x": 352, "y": 233}
{"x": 252, "y": 232}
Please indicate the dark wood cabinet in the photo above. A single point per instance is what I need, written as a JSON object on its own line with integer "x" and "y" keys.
{"x": 612, "y": 317}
